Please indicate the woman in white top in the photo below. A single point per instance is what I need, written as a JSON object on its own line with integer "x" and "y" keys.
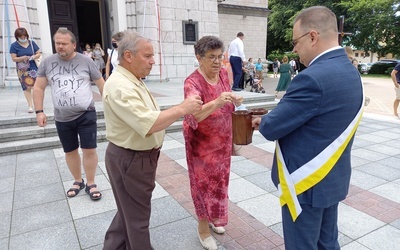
{"x": 112, "y": 60}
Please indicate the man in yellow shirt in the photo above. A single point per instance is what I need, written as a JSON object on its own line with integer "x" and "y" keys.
{"x": 135, "y": 130}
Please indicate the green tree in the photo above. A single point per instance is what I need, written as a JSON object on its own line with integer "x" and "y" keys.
{"x": 375, "y": 25}
{"x": 280, "y": 24}
{"x": 280, "y": 21}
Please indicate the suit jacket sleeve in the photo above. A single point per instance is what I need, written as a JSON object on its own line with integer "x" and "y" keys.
{"x": 300, "y": 104}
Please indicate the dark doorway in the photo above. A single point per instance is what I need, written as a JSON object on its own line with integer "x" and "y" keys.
{"x": 88, "y": 17}
{"x": 85, "y": 18}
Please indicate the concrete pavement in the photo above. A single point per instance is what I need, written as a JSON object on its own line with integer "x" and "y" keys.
{"x": 35, "y": 213}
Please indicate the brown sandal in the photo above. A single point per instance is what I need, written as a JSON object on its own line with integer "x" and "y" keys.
{"x": 76, "y": 190}
{"x": 91, "y": 194}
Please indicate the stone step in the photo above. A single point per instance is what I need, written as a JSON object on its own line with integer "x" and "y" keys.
{"x": 11, "y": 81}
{"x": 35, "y": 132}
{"x": 30, "y": 120}
{"x": 23, "y": 135}
{"x": 52, "y": 141}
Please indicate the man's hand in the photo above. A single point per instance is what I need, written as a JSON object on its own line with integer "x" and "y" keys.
{"x": 256, "y": 122}
{"x": 191, "y": 104}
{"x": 41, "y": 119}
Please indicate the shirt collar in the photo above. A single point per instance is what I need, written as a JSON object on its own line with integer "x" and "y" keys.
{"x": 326, "y": 51}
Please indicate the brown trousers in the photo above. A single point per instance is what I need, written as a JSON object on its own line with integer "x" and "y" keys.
{"x": 132, "y": 177}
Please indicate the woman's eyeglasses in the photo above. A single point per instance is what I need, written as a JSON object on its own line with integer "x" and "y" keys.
{"x": 214, "y": 58}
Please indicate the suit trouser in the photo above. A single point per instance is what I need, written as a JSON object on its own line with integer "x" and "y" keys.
{"x": 315, "y": 228}
{"x": 236, "y": 64}
{"x": 132, "y": 177}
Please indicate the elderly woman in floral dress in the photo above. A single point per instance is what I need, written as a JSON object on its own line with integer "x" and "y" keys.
{"x": 208, "y": 139}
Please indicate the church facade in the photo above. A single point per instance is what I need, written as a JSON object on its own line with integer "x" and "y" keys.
{"x": 172, "y": 25}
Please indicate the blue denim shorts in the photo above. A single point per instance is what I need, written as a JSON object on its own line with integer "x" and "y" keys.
{"x": 85, "y": 126}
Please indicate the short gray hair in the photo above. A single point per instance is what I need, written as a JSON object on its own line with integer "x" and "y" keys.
{"x": 65, "y": 31}
{"x": 129, "y": 41}
{"x": 319, "y": 18}
{"x": 207, "y": 43}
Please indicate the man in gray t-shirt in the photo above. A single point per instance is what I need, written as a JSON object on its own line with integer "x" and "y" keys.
{"x": 70, "y": 75}
{"x": 70, "y": 83}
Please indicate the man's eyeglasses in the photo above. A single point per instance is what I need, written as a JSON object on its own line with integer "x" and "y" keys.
{"x": 214, "y": 58}
{"x": 295, "y": 41}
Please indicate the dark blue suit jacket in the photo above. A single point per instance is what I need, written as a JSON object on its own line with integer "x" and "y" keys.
{"x": 317, "y": 107}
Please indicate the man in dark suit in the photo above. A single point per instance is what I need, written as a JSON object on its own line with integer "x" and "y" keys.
{"x": 314, "y": 126}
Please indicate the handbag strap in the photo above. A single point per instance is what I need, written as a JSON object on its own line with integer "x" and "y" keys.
{"x": 33, "y": 52}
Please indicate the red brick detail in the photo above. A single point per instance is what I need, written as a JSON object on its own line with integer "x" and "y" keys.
{"x": 372, "y": 204}
{"x": 243, "y": 230}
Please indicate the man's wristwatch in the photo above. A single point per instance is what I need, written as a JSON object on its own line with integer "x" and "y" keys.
{"x": 39, "y": 111}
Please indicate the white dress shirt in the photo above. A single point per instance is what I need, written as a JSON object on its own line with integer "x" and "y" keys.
{"x": 236, "y": 48}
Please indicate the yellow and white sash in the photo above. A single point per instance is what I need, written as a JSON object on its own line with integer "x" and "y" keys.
{"x": 312, "y": 172}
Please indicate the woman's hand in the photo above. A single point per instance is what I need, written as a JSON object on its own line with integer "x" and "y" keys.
{"x": 226, "y": 97}
{"x": 238, "y": 100}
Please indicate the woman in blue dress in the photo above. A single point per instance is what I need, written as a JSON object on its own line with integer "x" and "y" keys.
{"x": 24, "y": 52}
{"x": 285, "y": 78}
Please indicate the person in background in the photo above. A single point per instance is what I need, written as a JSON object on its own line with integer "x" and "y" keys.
{"x": 293, "y": 65}
{"x": 296, "y": 60}
{"x": 135, "y": 129}
{"x": 395, "y": 74}
{"x": 74, "y": 110}
{"x": 242, "y": 81}
{"x": 250, "y": 71}
{"x": 98, "y": 54}
{"x": 259, "y": 69}
{"x": 112, "y": 59}
{"x": 257, "y": 86}
{"x": 285, "y": 78}
{"x": 208, "y": 139}
{"x": 88, "y": 51}
{"x": 236, "y": 59}
{"x": 275, "y": 66}
{"x": 314, "y": 126}
{"x": 24, "y": 52}
{"x": 355, "y": 63}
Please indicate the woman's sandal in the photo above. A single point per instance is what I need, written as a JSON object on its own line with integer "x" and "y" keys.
{"x": 76, "y": 190}
{"x": 92, "y": 194}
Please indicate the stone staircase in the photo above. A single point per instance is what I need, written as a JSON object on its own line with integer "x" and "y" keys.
{"x": 19, "y": 135}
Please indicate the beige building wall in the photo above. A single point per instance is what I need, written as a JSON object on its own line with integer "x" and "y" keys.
{"x": 163, "y": 24}
{"x": 255, "y": 40}
{"x": 174, "y": 59}
{"x": 250, "y": 17}
{"x": 363, "y": 57}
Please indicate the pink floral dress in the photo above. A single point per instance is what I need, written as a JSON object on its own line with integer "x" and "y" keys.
{"x": 208, "y": 150}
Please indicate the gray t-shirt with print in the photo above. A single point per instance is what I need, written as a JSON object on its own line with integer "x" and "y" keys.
{"x": 70, "y": 83}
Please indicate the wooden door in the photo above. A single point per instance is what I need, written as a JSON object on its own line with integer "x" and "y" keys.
{"x": 62, "y": 13}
